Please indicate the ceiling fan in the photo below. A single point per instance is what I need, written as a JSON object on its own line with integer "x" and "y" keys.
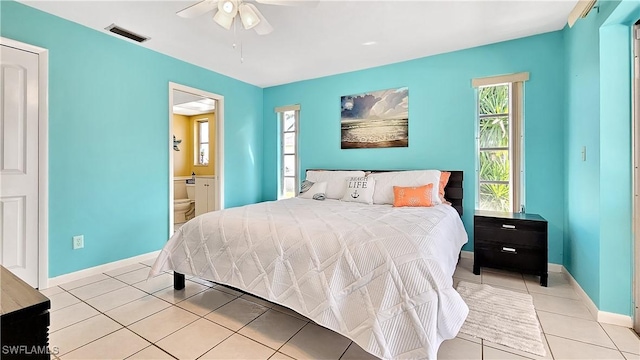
{"x": 225, "y": 11}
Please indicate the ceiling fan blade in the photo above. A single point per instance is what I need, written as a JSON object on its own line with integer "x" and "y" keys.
{"x": 197, "y": 9}
{"x": 248, "y": 15}
{"x": 263, "y": 27}
{"x": 223, "y": 19}
{"x": 307, "y": 3}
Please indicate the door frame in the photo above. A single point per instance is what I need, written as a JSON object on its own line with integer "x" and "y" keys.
{"x": 635, "y": 135}
{"x": 43, "y": 155}
{"x": 219, "y": 148}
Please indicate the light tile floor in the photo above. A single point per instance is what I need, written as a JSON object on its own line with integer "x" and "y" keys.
{"x": 120, "y": 315}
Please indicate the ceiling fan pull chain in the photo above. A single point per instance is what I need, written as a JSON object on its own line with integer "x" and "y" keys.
{"x": 235, "y": 34}
{"x": 241, "y": 56}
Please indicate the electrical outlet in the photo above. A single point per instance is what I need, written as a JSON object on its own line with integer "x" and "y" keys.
{"x": 78, "y": 242}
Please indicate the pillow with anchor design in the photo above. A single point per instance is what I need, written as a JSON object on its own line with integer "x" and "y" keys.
{"x": 359, "y": 189}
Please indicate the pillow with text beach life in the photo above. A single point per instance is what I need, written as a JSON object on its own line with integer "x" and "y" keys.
{"x": 359, "y": 189}
{"x": 335, "y": 179}
{"x": 317, "y": 191}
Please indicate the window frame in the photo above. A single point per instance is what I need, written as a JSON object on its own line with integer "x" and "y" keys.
{"x": 282, "y": 153}
{"x": 198, "y": 142}
{"x": 516, "y": 136}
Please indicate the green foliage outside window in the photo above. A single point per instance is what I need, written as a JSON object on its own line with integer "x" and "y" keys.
{"x": 494, "y": 134}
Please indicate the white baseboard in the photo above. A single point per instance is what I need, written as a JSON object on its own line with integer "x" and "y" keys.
{"x": 550, "y": 266}
{"x": 615, "y": 319}
{"x": 600, "y": 316}
{"x": 99, "y": 269}
{"x": 591, "y": 306}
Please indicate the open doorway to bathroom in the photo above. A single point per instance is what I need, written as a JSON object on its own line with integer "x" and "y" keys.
{"x": 196, "y": 156}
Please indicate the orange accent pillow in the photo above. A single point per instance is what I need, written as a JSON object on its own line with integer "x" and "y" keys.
{"x": 412, "y": 196}
{"x": 444, "y": 180}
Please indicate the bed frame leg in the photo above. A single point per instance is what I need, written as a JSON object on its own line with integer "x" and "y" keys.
{"x": 178, "y": 281}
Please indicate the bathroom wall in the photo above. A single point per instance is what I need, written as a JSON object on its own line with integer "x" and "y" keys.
{"x": 183, "y": 159}
{"x": 184, "y": 128}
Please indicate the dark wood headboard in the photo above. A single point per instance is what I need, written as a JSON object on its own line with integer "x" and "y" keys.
{"x": 453, "y": 192}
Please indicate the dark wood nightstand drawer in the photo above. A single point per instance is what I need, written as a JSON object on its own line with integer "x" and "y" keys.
{"x": 511, "y": 237}
{"x": 510, "y": 258}
{"x": 510, "y": 224}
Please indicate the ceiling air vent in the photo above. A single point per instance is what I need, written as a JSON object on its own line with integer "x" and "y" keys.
{"x": 126, "y": 33}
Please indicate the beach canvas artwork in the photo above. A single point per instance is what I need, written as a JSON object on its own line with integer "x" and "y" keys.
{"x": 377, "y": 119}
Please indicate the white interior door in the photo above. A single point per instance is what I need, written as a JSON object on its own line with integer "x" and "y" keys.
{"x": 19, "y": 163}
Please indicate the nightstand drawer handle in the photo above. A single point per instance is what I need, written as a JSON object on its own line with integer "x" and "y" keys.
{"x": 505, "y": 226}
{"x": 509, "y": 250}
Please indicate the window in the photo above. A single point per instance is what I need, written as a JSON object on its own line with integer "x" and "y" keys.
{"x": 288, "y": 184}
{"x": 500, "y": 138}
{"x": 202, "y": 155}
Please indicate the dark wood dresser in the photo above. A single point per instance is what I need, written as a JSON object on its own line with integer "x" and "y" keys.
{"x": 24, "y": 319}
{"x": 510, "y": 241}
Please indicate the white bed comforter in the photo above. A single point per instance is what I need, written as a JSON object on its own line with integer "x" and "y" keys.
{"x": 379, "y": 275}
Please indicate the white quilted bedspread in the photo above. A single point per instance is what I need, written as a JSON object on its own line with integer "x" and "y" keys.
{"x": 379, "y": 275}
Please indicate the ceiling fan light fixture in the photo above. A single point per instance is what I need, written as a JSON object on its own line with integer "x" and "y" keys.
{"x": 249, "y": 15}
{"x": 229, "y": 7}
{"x": 222, "y": 19}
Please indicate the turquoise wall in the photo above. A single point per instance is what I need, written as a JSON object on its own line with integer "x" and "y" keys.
{"x": 442, "y": 117}
{"x": 598, "y": 240}
{"x": 108, "y": 126}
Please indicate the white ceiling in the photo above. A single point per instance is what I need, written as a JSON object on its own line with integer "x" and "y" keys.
{"x": 323, "y": 40}
{"x": 189, "y": 104}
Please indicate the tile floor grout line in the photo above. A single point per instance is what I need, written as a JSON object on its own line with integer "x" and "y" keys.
{"x": 216, "y": 345}
{"x": 292, "y": 336}
{"x": 263, "y": 344}
{"x": 546, "y": 341}
{"x": 107, "y": 315}
{"x": 105, "y": 335}
{"x": 102, "y": 293}
{"x": 345, "y": 349}
{"x": 584, "y": 342}
{"x": 202, "y": 316}
{"x": 152, "y": 345}
{"x": 69, "y": 304}
{"x": 171, "y": 333}
{"x": 75, "y": 323}
{"x": 277, "y": 350}
{"x": 571, "y": 316}
{"x": 610, "y": 338}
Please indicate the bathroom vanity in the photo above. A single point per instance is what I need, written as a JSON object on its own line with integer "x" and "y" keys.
{"x": 205, "y": 194}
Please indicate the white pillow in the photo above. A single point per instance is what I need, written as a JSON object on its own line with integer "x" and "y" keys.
{"x": 317, "y": 188}
{"x": 359, "y": 189}
{"x": 336, "y": 181}
{"x": 385, "y": 181}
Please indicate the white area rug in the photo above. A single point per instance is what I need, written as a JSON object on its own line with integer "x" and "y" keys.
{"x": 501, "y": 316}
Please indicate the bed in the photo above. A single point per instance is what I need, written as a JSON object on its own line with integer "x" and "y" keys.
{"x": 379, "y": 275}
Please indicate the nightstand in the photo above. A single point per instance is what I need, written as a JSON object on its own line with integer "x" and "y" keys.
{"x": 510, "y": 241}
